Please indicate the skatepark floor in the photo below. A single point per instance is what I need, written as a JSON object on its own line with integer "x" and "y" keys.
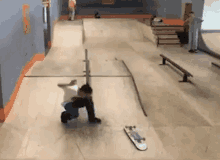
{"x": 183, "y": 119}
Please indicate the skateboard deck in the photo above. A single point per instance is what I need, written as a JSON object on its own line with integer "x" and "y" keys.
{"x": 135, "y": 137}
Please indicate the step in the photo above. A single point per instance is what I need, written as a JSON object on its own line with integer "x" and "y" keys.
{"x": 170, "y": 44}
{"x": 168, "y": 29}
{"x": 164, "y": 32}
{"x": 169, "y": 41}
{"x": 164, "y": 25}
{"x": 168, "y": 36}
{"x": 147, "y": 22}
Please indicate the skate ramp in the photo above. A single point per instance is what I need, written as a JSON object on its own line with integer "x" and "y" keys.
{"x": 40, "y": 133}
{"x": 68, "y": 34}
{"x": 182, "y": 132}
{"x": 116, "y": 103}
{"x": 60, "y": 62}
{"x": 66, "y": 55}
{"x": 209, "y": 42}
{"x": 148, "y": 33}
{"x": 112, "y": 30}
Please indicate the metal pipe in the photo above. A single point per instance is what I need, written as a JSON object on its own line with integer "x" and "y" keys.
{"x": 87, "y": 67}
{"x": 87, "y": 72}
{"x": 86, "y": 55}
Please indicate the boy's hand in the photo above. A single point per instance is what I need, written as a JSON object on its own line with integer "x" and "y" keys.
{"x": 74, "y": 98}
{"x": 97, "y": 120}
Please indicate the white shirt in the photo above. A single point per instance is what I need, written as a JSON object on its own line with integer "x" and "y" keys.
{"x": 69, "y": 92}
{"x": 191, "y": 19}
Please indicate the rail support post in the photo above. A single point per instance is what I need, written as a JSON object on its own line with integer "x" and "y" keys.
{"x": 184, "y": 78}
{"x": 164, "y": 61}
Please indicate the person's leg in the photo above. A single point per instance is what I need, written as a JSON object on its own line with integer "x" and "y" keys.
{"x": 73, "y": 14}
{"x": 65, "y": 116}
{"x": 191, "y": 39}
{"x": 195, "y": 39}
{"x": 73, "y": 112}
{"x": 70, "y": 14}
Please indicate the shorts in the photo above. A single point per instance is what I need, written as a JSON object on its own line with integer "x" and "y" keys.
{"x": 69, "y": 109}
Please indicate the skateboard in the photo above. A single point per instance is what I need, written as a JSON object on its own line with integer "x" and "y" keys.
{"x": 135, "y": 138}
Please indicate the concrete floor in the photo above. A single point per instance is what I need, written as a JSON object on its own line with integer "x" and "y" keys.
{"x": 183, "y": 118}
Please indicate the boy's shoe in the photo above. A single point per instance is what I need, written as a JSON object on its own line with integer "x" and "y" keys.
{"x": 193, "y": 51}
{"x": 97, "y": 120}
{"x": 64, "y": 121}
{"x": 64, "y": 117}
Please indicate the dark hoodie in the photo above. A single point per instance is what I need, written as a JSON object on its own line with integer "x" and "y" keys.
{"x": 79, "y": 102}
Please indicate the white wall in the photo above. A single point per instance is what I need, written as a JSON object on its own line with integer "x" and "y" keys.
{"x": 211, "y": 15}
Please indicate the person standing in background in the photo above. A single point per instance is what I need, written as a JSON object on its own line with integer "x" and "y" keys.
{"x": 72, "y": 9}
{"x": 76, "y": 99}
{"x": 190, "y": 21}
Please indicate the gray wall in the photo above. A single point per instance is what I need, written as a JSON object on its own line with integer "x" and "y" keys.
{"x": 172, "y": 8}
{"x": 164, "y": 8}
{"x": 15, "y": 47}
{"x": 211, "y": 15}
{"x": 85, "y": 7}
{"x": 210, "y": 25}
{"x": 160, "y": 8}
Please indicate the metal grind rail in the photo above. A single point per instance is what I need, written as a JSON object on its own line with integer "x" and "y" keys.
{"x": 88, "y": 78}
{"x": 87, "y": 68}
{"x": 186, "y": 73}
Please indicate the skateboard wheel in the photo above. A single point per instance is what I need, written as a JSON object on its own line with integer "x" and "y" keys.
{"x": 134, "y": 126}
{"x": 143, "y": 139}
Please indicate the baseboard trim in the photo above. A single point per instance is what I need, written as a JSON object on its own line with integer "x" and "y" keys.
{"x": 4, "y": 112}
